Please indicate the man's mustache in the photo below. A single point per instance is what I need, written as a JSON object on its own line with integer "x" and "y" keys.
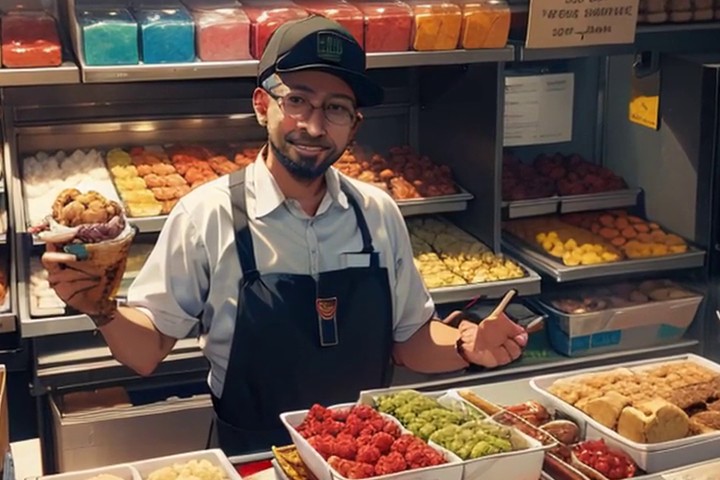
{"x": 308, "y": 141}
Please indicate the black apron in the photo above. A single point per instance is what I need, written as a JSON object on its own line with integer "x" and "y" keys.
{"x": 300, "y": 341}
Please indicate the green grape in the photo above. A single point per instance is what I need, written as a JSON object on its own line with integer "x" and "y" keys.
{"x": 464, "y": 452}
{"x": 427, "y": 430}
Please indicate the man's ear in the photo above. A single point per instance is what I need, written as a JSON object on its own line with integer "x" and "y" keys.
{"x": 261, "y": 103}
{"x": 356, "y": 126}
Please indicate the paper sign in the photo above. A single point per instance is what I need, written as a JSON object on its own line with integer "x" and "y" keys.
{"x": 580, "y": 23}
{"x": 644, "y": 107}
{"x": 538, "y": 109}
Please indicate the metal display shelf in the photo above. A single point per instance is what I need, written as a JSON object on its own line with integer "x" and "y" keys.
{"x": 8, "y": 322}
{"x": 40, "y": 327}
{"x": 542, "y": 262}
{"x": 599, "y": 201}
{"x": 528, "y": 285}
{"x": 67, "y": 73}
{"x": 531, "y": 208}
{"x": 523, "y": 54}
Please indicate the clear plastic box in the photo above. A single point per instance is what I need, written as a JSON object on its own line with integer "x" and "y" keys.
{"x": 222, "y": 30}
{"x": 266, "y": 16}
{"x": 167, "y": 33}
{"x": 30, "y": 39}
{"x": 340, "y": 11}
{"x": 388, "y": 26}
{"x": 486, "y": 24}
{"x": 109, "y": 36}
{"x": 436, "y": 25}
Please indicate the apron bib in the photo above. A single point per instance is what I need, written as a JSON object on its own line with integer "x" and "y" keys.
{"x": 300, "y": 341}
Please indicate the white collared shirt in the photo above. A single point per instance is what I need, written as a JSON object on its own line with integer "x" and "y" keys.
{"x": 193, "y": 273}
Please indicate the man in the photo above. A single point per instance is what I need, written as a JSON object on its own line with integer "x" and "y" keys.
{"x": 300, "y": 280}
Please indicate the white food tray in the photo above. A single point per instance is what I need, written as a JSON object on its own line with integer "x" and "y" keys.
{"x": 519, "y": 465}
{"x": 141, "y": 470}
{"x": 453, "y": 470}
{"x": 652, "y": 458}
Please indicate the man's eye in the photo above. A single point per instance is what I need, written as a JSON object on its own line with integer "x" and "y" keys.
{"x": 338, "y": 108}
{"x": 295, "y": 100}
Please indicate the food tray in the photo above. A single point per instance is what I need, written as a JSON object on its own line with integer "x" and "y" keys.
{"x": 453, "y": 470}
{"x": 650, "y": 457}
{"x": 599, "y": 201}
{"x": 525, "y": 286}
{"x": 531, "y": 208}
{"x": 626, "y": 328}
{"x": 215, "y": 456}
{"x": 520, "y": 465}
{"x": 546, "y": 263}
{"x": 124, "y": 472}
{"x": 442, "y": 204}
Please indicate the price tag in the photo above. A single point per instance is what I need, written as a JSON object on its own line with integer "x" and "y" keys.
{"x": 644, "y": 107}
{"x": 581, "y": 23}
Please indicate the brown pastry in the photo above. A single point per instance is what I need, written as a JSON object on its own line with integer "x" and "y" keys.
{"x": 653, "y": 421}
{"x": 606, "y": 409}
{"x": 693, "y": 395}
{"x": 705, "y": 422}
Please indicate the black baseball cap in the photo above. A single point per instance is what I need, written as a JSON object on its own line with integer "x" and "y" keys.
{"x": 317, "y": 43}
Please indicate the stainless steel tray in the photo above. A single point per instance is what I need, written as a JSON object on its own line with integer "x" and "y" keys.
{"x": 528, "y": 285}
{"x": 446, "y": 203}
{"x": 599, "y": 201}
{"x": 531, "y": 208}
{"x": 544, "y": 263}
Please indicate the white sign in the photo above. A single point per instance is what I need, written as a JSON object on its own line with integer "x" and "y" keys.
{"x": 573, "y": 23}
{"x": 538, "y": 109}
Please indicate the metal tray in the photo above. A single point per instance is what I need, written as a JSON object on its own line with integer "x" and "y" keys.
{"x": 446, "y": 203}
{"x": 599, "y": 201}
{"x": 527, "y": 285}
{"x": 571, "y": 203}
{"x": 531, "y": 208}
{"x": 549, "y": 265}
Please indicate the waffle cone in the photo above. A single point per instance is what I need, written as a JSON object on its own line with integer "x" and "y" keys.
{"x": 110, "y": 257}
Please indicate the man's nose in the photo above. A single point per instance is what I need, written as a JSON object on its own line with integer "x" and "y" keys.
{"x": 315, "y": 123}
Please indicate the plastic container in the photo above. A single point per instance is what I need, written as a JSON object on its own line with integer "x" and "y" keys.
{"x": 109, "y": 36}
{"x": 222, "y": 30}
{"x": 340, "y": 11}
{"x": 266, "y": 16}
{"x": 621, "y": 325}
{"x": 436, "y": 25}
{"x": 453, "y": 470}
{"x": 486, "y": 24}
{"x": 652, "y": 458}
{"x": 388, "y": 26}
{"x": 123, "y": 472}
{"x": 167, "y": 33}
{"x": 654, "y": 11}
{"x": 30, "y": 39}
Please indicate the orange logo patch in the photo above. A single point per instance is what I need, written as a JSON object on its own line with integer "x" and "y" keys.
{"x": 326, "y": 307}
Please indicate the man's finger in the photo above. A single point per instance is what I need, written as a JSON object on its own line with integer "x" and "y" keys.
{"x": 513, "y": 349}
{"x": 58, "y": 257}
{"x": 452, "y": 317}
{"x": 501, "y": 356}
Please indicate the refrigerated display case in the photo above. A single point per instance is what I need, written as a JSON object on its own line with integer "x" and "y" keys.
{"x": 447, "y": 106}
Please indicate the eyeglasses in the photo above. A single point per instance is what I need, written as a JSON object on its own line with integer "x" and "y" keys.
{"x": 297, "y": 105}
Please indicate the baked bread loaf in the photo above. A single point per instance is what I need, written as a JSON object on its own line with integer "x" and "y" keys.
{"x": 653, "y": 421}
{"x": 606, "y": 409}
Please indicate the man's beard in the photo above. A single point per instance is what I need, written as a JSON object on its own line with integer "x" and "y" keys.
{"x": 304, "y": 169}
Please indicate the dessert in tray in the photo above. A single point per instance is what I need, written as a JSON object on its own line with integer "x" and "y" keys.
{"x": 596, "y": 237}
{"x": 656, "y": 404}
{"x": 557, "y": 174}
{"x": 626, "y": 294}
{"x": 447, "y": 256}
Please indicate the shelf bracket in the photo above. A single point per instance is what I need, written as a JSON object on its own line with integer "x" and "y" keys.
{"x": 646, "y": 64}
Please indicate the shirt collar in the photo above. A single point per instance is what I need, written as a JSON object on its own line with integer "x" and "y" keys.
{"x": 268, "y": 195}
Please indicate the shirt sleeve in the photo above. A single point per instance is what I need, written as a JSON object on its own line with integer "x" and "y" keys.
{"x": 173, "y": 284}
{"x": 413, "y": 304}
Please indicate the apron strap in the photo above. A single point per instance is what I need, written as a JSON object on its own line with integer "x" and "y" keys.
{"x": 362, "y": 225}
{"x": 243, "y": 237}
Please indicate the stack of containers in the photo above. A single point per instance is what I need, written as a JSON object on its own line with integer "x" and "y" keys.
{"x": 167, "y": 32}
{"x": 388, "y": 25}
{"x": 222, "y": 30}
{"x": 30, "y": 39}
{"x": 340, "y": 11}
{"x": 266, "y": 16}
{"x": 436, "y": 25}
{"x": 485, "y": 24}
{"x": 109, "y": 35}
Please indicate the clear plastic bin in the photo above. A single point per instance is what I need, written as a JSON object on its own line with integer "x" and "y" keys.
{"x": 340, "y": 11}
{"x": 167, "y": 34}
{"x": 436, "y": 25}
{"x": 654, "y": 11}
{"x": 388, "y": 26}
{"x": 222, "y": 30}
{"x": 486, "y": 23}
{"x": 110, "y": 36}
{"x": 30, "y": 39}
{"x": 266, "y": 16}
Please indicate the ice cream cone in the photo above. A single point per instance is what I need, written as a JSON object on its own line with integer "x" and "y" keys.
{"x": 111, "y": 257}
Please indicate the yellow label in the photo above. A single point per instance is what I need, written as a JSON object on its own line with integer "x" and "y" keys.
{"x": 645, "y": 110}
